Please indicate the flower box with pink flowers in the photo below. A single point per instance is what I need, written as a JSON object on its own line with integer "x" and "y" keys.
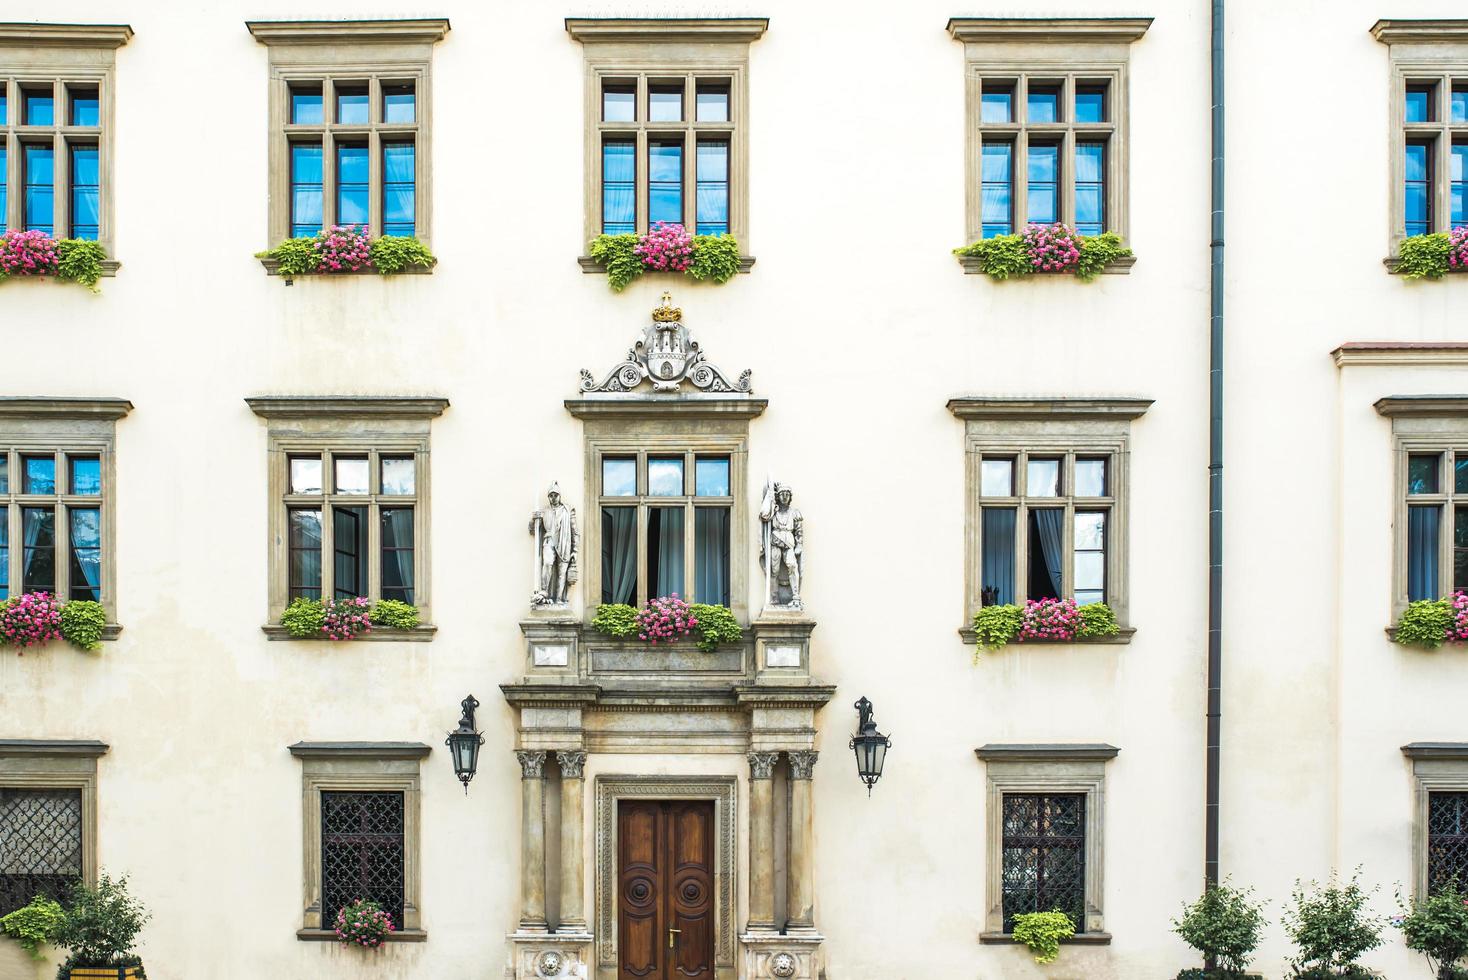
{"x": 35, "y": 619}
{"x": 665, "y": 247}
{"x": 347, "y": 250}
{"x": 345, "y": 619}
{"x": 1045, "y": 621}
{"x": 667, "y": 635}
{"x": 1047, "y": 250}
{"x": 36, "y": 255}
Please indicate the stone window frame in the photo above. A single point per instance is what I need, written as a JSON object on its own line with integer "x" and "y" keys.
{"x": 618, "y": 426}
{"x": 1430, "y": 51}
{"x": 1026, "y": 768}
{"x": 63, "y": 55}
{"x": 355, "y": 426}
{"x": 1064, "y": 49}
{"x": 347, "y": 767}
{"x": 1052, "y": 426}
{"x": 1422, "y": 424}
{"x": 1437, "y": 767}
{"x": 36, "y": 763}
{"x": 643, "y": 48}
{"x": 75, "y": 426}
{"x": 327, "y": 52}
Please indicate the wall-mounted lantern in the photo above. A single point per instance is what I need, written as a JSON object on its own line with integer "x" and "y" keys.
{"x": 464, "y": 744}
{"x": 870, "y": 746}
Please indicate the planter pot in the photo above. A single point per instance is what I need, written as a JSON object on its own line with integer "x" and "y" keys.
{"x": 105, "y": 972}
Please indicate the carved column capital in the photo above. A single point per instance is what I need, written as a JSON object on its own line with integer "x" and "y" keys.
{"x": 802, "y": 763}
{"x": 762, "y": 764}
{"x": 532, "y": 764}
{"x": 571, "y": 763}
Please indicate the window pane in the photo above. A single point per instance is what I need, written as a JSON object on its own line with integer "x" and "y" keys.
{"x": 305, "y": 189}
{"x": 351, "y": 104}
{"x": 1042, "y": 478}
{"x": 4, "y": 185}
{"x": 711, "y": 554}
{"x": 397, "y": 554}
{"x": 306, "y": 106}
{"x": 351, "y": 184}
{"x": 1046, "y": 553}
{"x": 4, "y": 106}
{"x": 619, "y": 555}
{"x": 1044, "y": 196}
{"x": 1043, "y": 860}
{"x": 40, "y": 107}
{"x": 4, "y": 471}
{"x": 618, "y": 187}
{"x": 398, "y": 104}
{"x": 42, "y": 831}
{"x": 40, "y": 188}
{"x": 398, "y": 188}
{"x": 1042, "y": 104}
{"x": 711, "y": 476}
{"x": 1456, "y": 188}
{"x": 85, "y": 192}
{"x": 1447, "y": 840}
{"x": 4, "y": 553}
{"x": 998, "y": 189}
{"x": 1090, "y": 103}
{"x": 665, "y": 550}
{"x": 618, "y": 103}
{"x": 362, "y": 852}
{"x": 1419, "y": 103}
{"x": 1422, "y": 552}
{"x": 86, "y": 553}
{"x": 38, "y": 549}
{"x": 1090, "y": 557}
{"x": 304, "y": 542}
{"x": 86, "y": 475}
{"x": 713, "y": 102}
{"x": 351, "y": 474}
{"x": 1090, "y": 188}
{"x": 665, "y": 103}
{"x": 665, "y": 477}
{"x": 85, "y": 108}
{"x": 997, "y": 572}
{"x": 398, "y": 476}
{"x": 618, "y": 477}
{"x": 1422, "y": 473}
{"x": 1418, "y": 189}
{"x": 306, "y": 474}
{"x": 665, "y": 181}
{"x": 1460, "y": 548}
{"x": 349, "y": 540}
{"x": 40, "y": 474}
{"x": 713, "y": 187}
{"x": 1090, "y": 478}
{"x": 1460, "y": 474}
{"x": 996, "y": 478}
{"x": 1460, "y": 103}
{"x": 996, "y": 104}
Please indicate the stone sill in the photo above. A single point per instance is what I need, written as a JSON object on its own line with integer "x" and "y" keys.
{"x": 1084, "y": 939}
{"x": 384, "y": 634}
{"x": 591, "y": 267}
{"x": 1393, "y": 265}
{"x": 1121, "y": 638}
{"x": 109, "y": 271}
{"x": 111, "y": 631}
{"x": 973, "y": 266}
{"x": 328, "y": 936}
{"x": 272, "y": 268}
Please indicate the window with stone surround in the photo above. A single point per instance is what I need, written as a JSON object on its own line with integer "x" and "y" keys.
{"x": 1440, "y": 814}
{"x": 48, "y": 818}
{"x": 1047, "y": 122}
{"x": 350, "y": 125}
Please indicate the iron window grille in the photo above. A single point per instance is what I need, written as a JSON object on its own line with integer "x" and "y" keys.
{"x": 1447, "y": 840}
{"x": 1044, "y": 861}
{"x": 362, "y": 853}
{"x": 40, "y": 845}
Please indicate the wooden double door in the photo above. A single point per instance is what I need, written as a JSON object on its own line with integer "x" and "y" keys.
{"x": 665, "y": 889}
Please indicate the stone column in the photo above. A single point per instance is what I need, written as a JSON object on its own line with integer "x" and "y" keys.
{"x": 573, "y": 860}
{"x": 802, "y": 841}
{"x": 532, "y": 841}
{"x": 762, "y": 840}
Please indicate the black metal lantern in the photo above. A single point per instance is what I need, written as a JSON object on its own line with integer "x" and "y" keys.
{"x": 464, "y": 744}
{"x": 870, "y": 746}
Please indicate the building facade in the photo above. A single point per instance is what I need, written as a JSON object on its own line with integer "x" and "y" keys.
{"x": 214, "y": 435}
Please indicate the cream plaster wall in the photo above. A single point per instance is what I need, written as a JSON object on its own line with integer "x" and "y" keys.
{"x": 859, "y": 326}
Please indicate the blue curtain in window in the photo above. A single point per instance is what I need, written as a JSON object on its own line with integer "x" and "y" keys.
{"x": 1422, "y": 538}
{"x": 618, "y": 187}
{"x": 619, "y": 555}
{"x": 397, "y": 554}
{"x": 1051, "y": 523}
{"x": 711, "y": 554}
{"x": 997, "y": 572}
{"x": 398, "y": 186}
{"x": 86, "y": 553}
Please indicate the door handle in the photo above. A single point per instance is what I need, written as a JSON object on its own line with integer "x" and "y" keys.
{"x": 671, "y": 932}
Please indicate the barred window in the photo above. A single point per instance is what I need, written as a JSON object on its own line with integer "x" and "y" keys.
{"x": 40, "y": 844}
{"x": 1447, "y": 840}
{"x": 362, "y": 853}
{"x": 1044, "y": 865}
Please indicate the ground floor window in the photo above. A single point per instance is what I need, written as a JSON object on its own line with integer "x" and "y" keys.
{"x": 1044, "y": 860}
{"x": 40, "y": 845}
{"x": 361, "y": 852}
{"x": 1447, "y": 840}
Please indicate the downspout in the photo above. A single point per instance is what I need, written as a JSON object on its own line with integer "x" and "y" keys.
{"x": 1215, "y": 456}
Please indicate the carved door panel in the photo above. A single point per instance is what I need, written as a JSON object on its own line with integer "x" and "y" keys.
{"x": 665, "y": 890}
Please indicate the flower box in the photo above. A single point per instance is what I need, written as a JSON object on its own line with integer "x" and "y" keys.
{"x": 665, "y": 248}
{"x": 1047, "y": 250}
{"x": 36, "y": 255}
{"x": 344, "y": 250}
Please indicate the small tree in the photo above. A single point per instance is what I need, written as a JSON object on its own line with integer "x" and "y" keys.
{"x": 102, "y": 923}
{"x": 1437, "y": 927}
{"x": 1332, "y": 929}
{"x": 1224, "y": 925}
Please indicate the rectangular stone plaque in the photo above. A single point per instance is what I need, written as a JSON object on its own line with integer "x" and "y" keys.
{"x": 782, "y": 656}
{"x": 552, "y": 655}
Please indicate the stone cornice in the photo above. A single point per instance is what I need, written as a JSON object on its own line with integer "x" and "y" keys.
{"x": 424, "y": 31}
{"x": 1420, "y": 31}
{"x": 22, "y": 406}
{"x": 1036, "y": 752}
{"x": 1048, "y": 408}
{"x": 1452, "y": 353}
{"x": 1423, "y": 406}
{"x": 53, "y": 746}
{"x": 785, "y": 695}
{"x": 360, "y": 750}
{"x": 657, "y": 29}
{"x": 1058, "y": 30}
{"x": 1436, "y": 750}
{"x": 336, "y": 406}
{"x": 65, "y": 35}
{"x": 559, "y": 695}
{"x": 620, "y": 406}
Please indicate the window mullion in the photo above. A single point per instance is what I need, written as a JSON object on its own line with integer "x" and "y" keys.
{"x": 1068, "y": 550}
{"x": 328, "y": 178}
{"x": 375, "y": 166}
{"x": 640, "y": 534}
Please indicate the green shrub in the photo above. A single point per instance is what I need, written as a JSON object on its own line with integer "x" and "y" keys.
{"x": 715, "y": 258}
{"x": 82, "y": 622}
{"x": 1437, "y": 927}
{"x": 1425, "y": 256}
{"x": 1195, "y": 973}
{"x": 614, "y": 252}
{"x": 80, "y": 261}
{"x": 304, "y": 617}
{"x": 32, "y": 925}
{"x": 394, "y": 614}
{"x": 394, "y": 253}
{"x": 1425, "y": 623}
{"x": 997, "y": 625}
{"x": 716, "y": 624}
{"x": 1224, "y": 925}
{"x": 1097, "y": 619}
{"x": 101, "y": 924}
{"x": 1098, "y": 251}
{"x": 615, "y": 619}
{"x": 1042, "y": 933}
{"x": 1331, "y": 928}
{"x": 1000, "y": 257}
{"x": 296, "y": 256}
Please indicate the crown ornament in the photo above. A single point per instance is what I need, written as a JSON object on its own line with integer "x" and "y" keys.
{"x": 665, "y": 356}
{"x": 666, "y": 312}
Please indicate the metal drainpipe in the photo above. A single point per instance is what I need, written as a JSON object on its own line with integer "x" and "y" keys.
{"x": 1215, "y": 455}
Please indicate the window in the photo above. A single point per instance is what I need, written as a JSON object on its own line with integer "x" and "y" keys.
{"x": 48, "y": 818}
{"x": 56, "y": 129}
{"x": 1447, "y": 839}
{"x": 1047, "y": 109}
{"x": 1047, "y": 500}
{"x": 349, "y": 511}
{"x": 666, "y": 124}
{"x": 361, "y": 831}
{"x": 1045, "y": 806}
{"x": 350, "y": 145}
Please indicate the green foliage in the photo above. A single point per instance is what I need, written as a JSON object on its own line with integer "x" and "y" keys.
{"x": 82, "y": 622}
{"x": 1097, "y": 619}
{"x": 1425, "y": 256}
{"x": 615, "y": 619}
{"x": 297, "y": 256}
{"x": 1042, "y": 933}
{"x": 1197, "y": 974}
{"x": 715, "y": 258}
{"x": 716, "y": 624}
{"x": 1224, "y": 925}
{"x": 615, "y": 253}
{"x": 1437, "y": 927}
{"x": 1097, "y": 251}
{"x": 80, "y": 261}
{"x": 394, "y": 253}
{"x": 101, "y": 923}
{"x": 997, "y": 625}
{"x": 394, "y": 614}
{"x": 1425, "y": 623}
{"x": 1332, "y": 928}
{"x": 304, "y": 617}
{"x": 32, "y": 925}
{"x": 1000, "y": 257}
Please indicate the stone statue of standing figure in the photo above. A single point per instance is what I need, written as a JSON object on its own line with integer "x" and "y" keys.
{"x": 556, "y": 544}
{"x": 782, "y": 547}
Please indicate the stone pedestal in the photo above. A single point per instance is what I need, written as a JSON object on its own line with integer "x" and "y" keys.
{"x": 782, "y": 646}
{"x": 536, "y": 956}
{"x": 796, "y": 956}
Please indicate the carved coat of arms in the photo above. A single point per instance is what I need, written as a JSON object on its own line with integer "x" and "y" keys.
{"x": 666, "y": 356}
